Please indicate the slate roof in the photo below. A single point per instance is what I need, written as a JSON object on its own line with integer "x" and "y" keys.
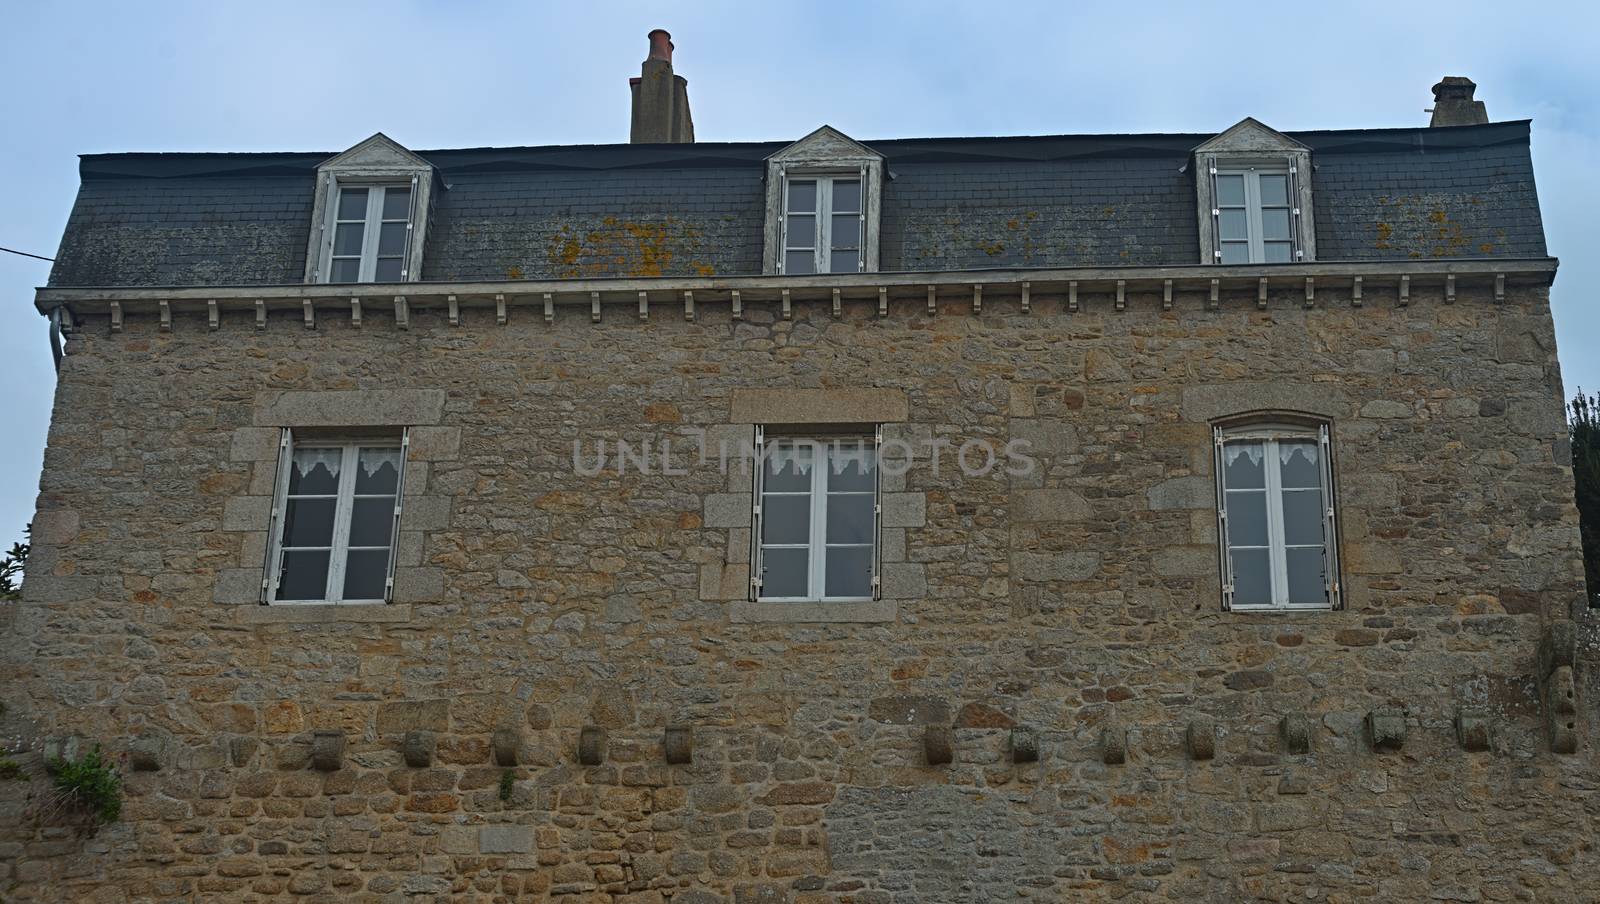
{"x": 697, "y": 209}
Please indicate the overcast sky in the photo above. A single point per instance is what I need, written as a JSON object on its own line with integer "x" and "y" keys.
{"x": 285, "y": 76}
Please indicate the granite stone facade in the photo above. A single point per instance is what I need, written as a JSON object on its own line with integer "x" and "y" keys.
{"x": 1183, "y": 752}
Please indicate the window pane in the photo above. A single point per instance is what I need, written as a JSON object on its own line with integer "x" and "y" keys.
{"x": 345, "y": 271}
{"x": 1233, "y": 225}
{"x": 802, "y": 196}
{"x": 365, "y": 573}
{"x": 1230, "y": 191}
{"x": 1278, "y": 253}
{"x": 847, "y": 196}
{"x": 850, "y": 519}
{"x": 849, "y": 571}
{"x": 378, "y": 471}
{"x": 392, "y": 239}
{"x": 844, "y": 262}
{"x": 352, "y": 204}
{"x": 388, "y": 270}
{"x": 851, "y": 467}
{"x": 308, "y": 522}
{"x": 1275, "y": 223}
{"x": 347, "y": 238}
{"x": 372, "y": 521}
{"x": 1252, "y": 578}
{"x": 802, "y": 232}
{"x": 784, "y": 572}
{"x": 847, "y": 231}
{"x": 788, "y": 468}
{"x": 800, "y": 262}
{"x": 1242, "y": 466}
{"x": 786, "y": 519}
{"x": 304, "y": 575}
{"x": 1274, "y": 189}
{"x": 397, "y": 204}
{"x": 1299, "y": 462}
{"x": 1306, "y": 586}
{"x": 1235, "y": 253}
{"x": 1302, "y": 517}
{"x": 1247, "y": 518}
{"x": 315, "y": 472}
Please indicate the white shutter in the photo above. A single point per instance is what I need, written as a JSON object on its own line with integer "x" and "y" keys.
{"x": 399, "y": 503}
{"x": 1216, "y": 212}
{"x": 1226, "y": 564}
{"x": 783, "y": 240}
{"x": 280, "y": 489}
{"x": 411, "y": 227}
{"x": 861, "y": 259}
{"x": 877, "y": 512}
{"x": 755, "y": 515}
{"x": 1297, "y": 244}
{"x": 1330, "y": 530}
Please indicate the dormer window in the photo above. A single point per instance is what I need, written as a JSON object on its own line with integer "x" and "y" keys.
{"x": 1253, "y": 197}
{"x": 370, "y": 215}
{"x": 370, "y": 230}
{"x": 823, "y": 202}
{"x": 822, "y": 224}
{"x": 1255, "y": 223}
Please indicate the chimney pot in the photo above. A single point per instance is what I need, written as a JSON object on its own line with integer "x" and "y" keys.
{"x": 660, "y": 45}
{"x": 660, "y": 98}
{"x": 1453, "y": 104}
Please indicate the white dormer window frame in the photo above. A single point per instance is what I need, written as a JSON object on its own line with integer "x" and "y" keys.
{"x": 841, "y": 181}
{"x": 1253, "y": 197}
{"x": 352, "y": 242}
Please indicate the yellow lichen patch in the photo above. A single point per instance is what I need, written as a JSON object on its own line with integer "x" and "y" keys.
{"x": 1385, "y": 232}
{"x": 514, "y": 272}
{"x": 1012, "y": 223}
{"x": 993, "y": 249}
{"x": 705, "y": 269}
{"x": 624, "y": 248}
{"x": 1437, "y": 216}
{"x": 1486, "y": 248}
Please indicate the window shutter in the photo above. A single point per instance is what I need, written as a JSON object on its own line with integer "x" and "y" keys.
{"x": 877, "y": 513}
{"x": 861, "y": 257}
{"x": 411, "y": 226}
{"x": 399, "y": 504}
{"x": 280, "y": 488}
{"x": 1226, "y": 564}
{"x": 1330, "y": 532}
{"x": 1216, "y": 212}
{"x": 783, "y": 241}
{"x": 1294, "y": 214}
{"x": 325, "y": 264}
{"x": 755, "y": 516}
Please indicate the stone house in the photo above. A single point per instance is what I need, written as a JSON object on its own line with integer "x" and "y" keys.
{"x": 1078, "y": 517}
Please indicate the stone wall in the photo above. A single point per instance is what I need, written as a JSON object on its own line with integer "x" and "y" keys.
{"x": 1081, "y": 602}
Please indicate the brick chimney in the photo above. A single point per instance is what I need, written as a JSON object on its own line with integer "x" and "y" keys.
{"x": 1453, "y": 104}
{"x": 660, "y": 99}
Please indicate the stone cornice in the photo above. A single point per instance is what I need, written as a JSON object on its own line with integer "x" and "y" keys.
{"x": 666, "y": 296}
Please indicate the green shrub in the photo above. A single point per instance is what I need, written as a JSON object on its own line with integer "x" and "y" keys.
{"x": 1585, "y": 427}
{"x": 508, "y": 782}
{"x": 90, "y": 784}
{"x": 11, "y": 770}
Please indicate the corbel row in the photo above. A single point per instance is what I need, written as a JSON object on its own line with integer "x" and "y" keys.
{"x": 1117, "y": 290}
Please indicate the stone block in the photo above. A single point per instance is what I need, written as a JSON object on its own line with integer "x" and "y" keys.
{"x": 1386, "y": 409}
{"x": 54, "y": 527}
{"x": 343, "y": 409}
{"x": 1192, "y": 492}
{"x": 1113, "y": 745}
{"x": 505, "y": 839}
{"x": 1558, "y": 646}
{"x": 592, "y": 745}
{"x": 425, "y": 513}
{"x": 418, "y": 585}
{"x": 939, "y": 745}
{"x": 253, "y": 513}
{"x": 1200, "y": 739}
{"x": 255, "y": 444}
{"x": 1472, "y": 730}
{"x": 904, "y": 510}
{"x": 435, "y": 443}
{"x": 728, "y": 509}
{"x": 865, "y": 406}
{"x": 1024, "y": 745}
{"x": 678, "y": 744}
{"x": 1054, "y": 566}
{"x": 147, "y": 754}
{"x": 50, "y": 588}
{"x": 327, "y": 750}
{"x": 1294, "y": 733}
{"x": 418, "y": 748}
{"x": 904, "y": 581}
{"x": 908, "y": 709}
{"x": 1051, "y": 505}
{"x": 461, "y": 840}
{"x": 237, "y": 586}
{"x": 403, "y": 716}
{"x": 1184, "y": 561}
{"x": 506, "y": 742}
{"x": 1208, "y": 401}
{"x": 1561, "y": 710}
{"x": 1043, "y": 438}
{"x": 1386, "y": 730}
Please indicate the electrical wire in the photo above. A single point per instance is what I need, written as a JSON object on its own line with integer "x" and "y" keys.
{"x": 26, "y": 254}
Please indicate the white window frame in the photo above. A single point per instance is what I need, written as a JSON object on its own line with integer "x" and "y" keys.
{"x": 376, "y": 161}
{"x": 372, "y": 227}
{"x": 1250, "y": 144}
{"x": 1254, "y": 211}
{"x": 816, "y": 544}
{"x": 822, "y": 235}
{"x": 344, "y": 505}
{"x": 1269, "y": 435}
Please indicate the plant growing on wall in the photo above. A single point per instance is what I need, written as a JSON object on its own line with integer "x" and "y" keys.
{"x": 11, "y": 569}
{"x": 1585, "y": 427}
{"x": 86, "y": 790}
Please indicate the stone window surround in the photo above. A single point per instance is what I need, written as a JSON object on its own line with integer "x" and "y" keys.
{"x": 378, "y": 160}
{"x": 826, "y": 151}
{"x": 247, "y": 516}
{"x": 728, "y": 580}
{"x": 1247, "y": 144}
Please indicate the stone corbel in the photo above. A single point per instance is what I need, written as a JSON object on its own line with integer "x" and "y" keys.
{"x": 1558, "y": 655}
